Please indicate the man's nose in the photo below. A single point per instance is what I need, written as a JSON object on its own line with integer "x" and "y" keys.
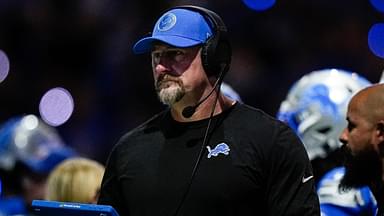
{"x": 162, "y": 66}
{"x": 344, "y": 136}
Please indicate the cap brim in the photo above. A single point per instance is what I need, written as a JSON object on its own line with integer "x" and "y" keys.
{"x": 145, "y": 45}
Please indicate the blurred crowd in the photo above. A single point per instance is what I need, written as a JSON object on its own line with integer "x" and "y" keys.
{"x": 85, "y": 46}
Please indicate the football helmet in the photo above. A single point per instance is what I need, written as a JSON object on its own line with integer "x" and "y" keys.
{"x": 228, "y": 91}
{"x": 316, "y": 105}
{"x": 29, "y": 140}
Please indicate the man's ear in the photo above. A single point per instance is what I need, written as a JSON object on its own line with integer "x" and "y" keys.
{"x": 380, "y": 136}
{"x": 380, "y": 130}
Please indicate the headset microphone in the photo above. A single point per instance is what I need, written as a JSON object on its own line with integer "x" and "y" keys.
{"x": 190, "y": 110}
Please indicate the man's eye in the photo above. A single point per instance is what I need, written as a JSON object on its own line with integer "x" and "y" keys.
{"x": 170, "y": 55}
{"x": 174, "y": 54}
{"x": 156, "y": 54}
{"x": 350, "y": 126}
{"x": 179, "y": 56}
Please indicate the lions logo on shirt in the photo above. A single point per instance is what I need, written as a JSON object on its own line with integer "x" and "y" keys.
{"x": 220, "y": 148}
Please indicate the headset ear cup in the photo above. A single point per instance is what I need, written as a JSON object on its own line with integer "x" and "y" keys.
{"x": 215, "y": 55}
{"x": 204, "y": 59}
{"x": 223, "y": 54}
{"x": 208, "y": 57}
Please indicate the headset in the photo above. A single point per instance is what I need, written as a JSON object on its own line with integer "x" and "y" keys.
{"x": 216, "y": 51}
{"x": 216, "y": 58}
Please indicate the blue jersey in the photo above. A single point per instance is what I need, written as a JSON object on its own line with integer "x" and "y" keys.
{"x": 335, "y": 202}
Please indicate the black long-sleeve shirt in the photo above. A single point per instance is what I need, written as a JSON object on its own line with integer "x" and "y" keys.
{"x": 252, "y": 164}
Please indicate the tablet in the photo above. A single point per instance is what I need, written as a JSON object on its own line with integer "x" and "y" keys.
{"x": 49, "y": 208}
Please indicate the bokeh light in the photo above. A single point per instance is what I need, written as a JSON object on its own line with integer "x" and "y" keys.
{"x": 378, "y": 4}
{"x": 56, "y": 106}
{"x": 4, "y": 66}
{"x": 259, "y": 5}
{"x": 376, "y": 39}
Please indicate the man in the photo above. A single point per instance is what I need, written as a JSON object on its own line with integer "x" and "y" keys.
{"x": 205, "y": 154}
{"x": 364, "y": 142}
{"x": 315, "y": 107}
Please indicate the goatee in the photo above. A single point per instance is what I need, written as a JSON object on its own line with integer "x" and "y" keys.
{"x": 169, "y": 89}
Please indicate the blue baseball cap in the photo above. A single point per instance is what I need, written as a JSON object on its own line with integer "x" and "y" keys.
{"x": 178, "y": 28}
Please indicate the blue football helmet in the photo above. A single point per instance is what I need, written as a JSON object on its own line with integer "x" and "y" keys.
{"x": 316, "y": 107}
{"x": 30, "y": 141}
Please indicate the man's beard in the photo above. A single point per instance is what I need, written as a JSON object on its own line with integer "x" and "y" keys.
{"x": 361, "y": 169}
{"x": 169, "y": 89}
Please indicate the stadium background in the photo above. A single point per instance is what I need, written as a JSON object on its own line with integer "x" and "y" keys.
{"x": 85, "y": 46}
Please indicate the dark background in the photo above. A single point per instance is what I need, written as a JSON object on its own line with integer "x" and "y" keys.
{"x": 85, "y": 46}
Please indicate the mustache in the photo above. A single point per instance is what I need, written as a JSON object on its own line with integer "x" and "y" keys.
{"x": 164, "y": 78}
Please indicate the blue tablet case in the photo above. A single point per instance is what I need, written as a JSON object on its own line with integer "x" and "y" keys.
{"x": 54, "y": 208}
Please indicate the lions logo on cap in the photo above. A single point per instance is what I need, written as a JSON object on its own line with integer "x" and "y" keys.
{"x": 167, "y": 22}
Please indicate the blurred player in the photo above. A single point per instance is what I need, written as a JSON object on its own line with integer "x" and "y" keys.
{"x": 315, "y": 108}
{"x": 29, "y": 150}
